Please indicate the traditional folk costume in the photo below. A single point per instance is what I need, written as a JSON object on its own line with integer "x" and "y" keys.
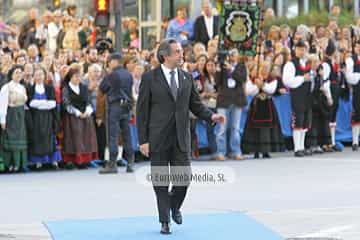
{"x": 319, "y": 133}
{"x": 14, "y": 138}
{"x": 332, "y": 72}
{"x": 353, "y": 77}
{"x": 300, "y": 94}
{"x": 262, "y": 133}
{"x": 79, "y": 146}
{"x": 3, "y": 97}
{"x": 44, "y": 125}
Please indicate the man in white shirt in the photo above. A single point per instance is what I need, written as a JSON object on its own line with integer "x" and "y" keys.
{"x": 296, "y": 77}
{"x": 206, "y": 25}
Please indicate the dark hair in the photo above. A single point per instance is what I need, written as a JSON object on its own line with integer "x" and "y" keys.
{"x": 206, "y": 73}
{"x": 165, "y": 49}
{"x": 72, "y": 71}
{"x": 12, "y": 70}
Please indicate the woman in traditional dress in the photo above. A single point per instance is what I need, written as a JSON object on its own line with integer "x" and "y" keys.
{"x": 262, "y": 133}
{"x": 44, "y": 122}
{"x": 79, "y": 145}
{"x": 12, "y": 118}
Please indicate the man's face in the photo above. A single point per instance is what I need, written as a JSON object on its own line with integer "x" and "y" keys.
{"x": 93, "y": 55}
{"x": 176, "y": 56}
{"x": 206, "y": 8}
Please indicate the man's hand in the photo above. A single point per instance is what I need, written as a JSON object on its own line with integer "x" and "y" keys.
{"x": 307, "y": 77}
{"x": 3, "y": 126}
{"x": 282, "y": 90}
{"x": 330, "y": 102}
{"x": 218, "y": 118}
{"x": 98, "y": 122}
{"x": 144, "y": 149}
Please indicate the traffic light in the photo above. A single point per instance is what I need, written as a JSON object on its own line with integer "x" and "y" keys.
{"x": 102, "y": 6}
{"x": 102, "y": 18}
{"x": 56, "y": 3}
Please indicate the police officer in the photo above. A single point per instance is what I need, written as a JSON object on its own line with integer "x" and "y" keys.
{"x": 117, "y": 85}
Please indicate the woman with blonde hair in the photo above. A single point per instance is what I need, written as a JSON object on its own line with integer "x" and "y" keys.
{"x": 71, "y": 38}
{"x": 42, "y": 134}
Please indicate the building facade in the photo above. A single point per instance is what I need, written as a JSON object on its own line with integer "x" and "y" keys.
{"x": 150, "y": 13}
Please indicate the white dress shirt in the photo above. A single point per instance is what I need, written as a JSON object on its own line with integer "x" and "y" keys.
{"x": 289, "y": 78}
{"x": 209, "y": 23}
{"x": 167, "y": 74}
{"x": 351, "y": 76}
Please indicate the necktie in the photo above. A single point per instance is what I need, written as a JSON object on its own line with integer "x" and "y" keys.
{"x": 173, "y": 84}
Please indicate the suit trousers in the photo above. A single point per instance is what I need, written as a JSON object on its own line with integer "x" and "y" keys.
{"x": 175, "y": 162}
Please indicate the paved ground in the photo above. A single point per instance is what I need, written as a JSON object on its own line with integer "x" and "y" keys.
{"x": 312, "y": 197}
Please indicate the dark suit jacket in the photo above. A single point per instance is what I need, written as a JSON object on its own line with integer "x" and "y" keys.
{"x": 157, "y": 110}
{"x": 200, "y": 32}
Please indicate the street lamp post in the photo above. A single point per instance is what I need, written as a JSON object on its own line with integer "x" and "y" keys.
{"x": 118, "y": 7}
{"x": 356, "y": 8}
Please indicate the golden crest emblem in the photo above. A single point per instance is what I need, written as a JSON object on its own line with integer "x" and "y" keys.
{"x": 238, "y": 26}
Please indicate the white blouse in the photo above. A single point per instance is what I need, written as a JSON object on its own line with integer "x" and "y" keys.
{"x": 12, "y": 94}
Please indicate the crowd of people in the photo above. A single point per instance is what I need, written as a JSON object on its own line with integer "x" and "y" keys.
{"x": 53, "y": 111}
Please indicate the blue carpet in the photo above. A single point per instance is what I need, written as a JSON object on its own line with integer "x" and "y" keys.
{"x": 200, "y": 227}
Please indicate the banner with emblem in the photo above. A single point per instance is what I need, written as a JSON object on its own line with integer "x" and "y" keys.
{"x": 239, "y": 27}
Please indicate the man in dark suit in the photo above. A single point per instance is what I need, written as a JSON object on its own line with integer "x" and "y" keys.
{"x": 206, "y": 26}
{"x": 166, "y": 96}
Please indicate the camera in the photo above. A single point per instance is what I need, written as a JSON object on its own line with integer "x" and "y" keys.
{"x": 104, "y": 44}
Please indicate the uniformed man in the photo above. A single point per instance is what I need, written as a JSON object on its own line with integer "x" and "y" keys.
{"x": 117, "y": 85}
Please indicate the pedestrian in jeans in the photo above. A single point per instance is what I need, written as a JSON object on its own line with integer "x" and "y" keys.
{"x": 230, "y": 83}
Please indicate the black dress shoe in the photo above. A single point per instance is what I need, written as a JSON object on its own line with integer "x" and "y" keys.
{"x": 355, "y": 147}
{"x": 129, "y": 169}
{"x": 308, "y": 152}
{"x": 165, "y": 228}
{"x": 176, "y": 216}
{"x": 266, "y": 155}
{"x": 299, "y": 153}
